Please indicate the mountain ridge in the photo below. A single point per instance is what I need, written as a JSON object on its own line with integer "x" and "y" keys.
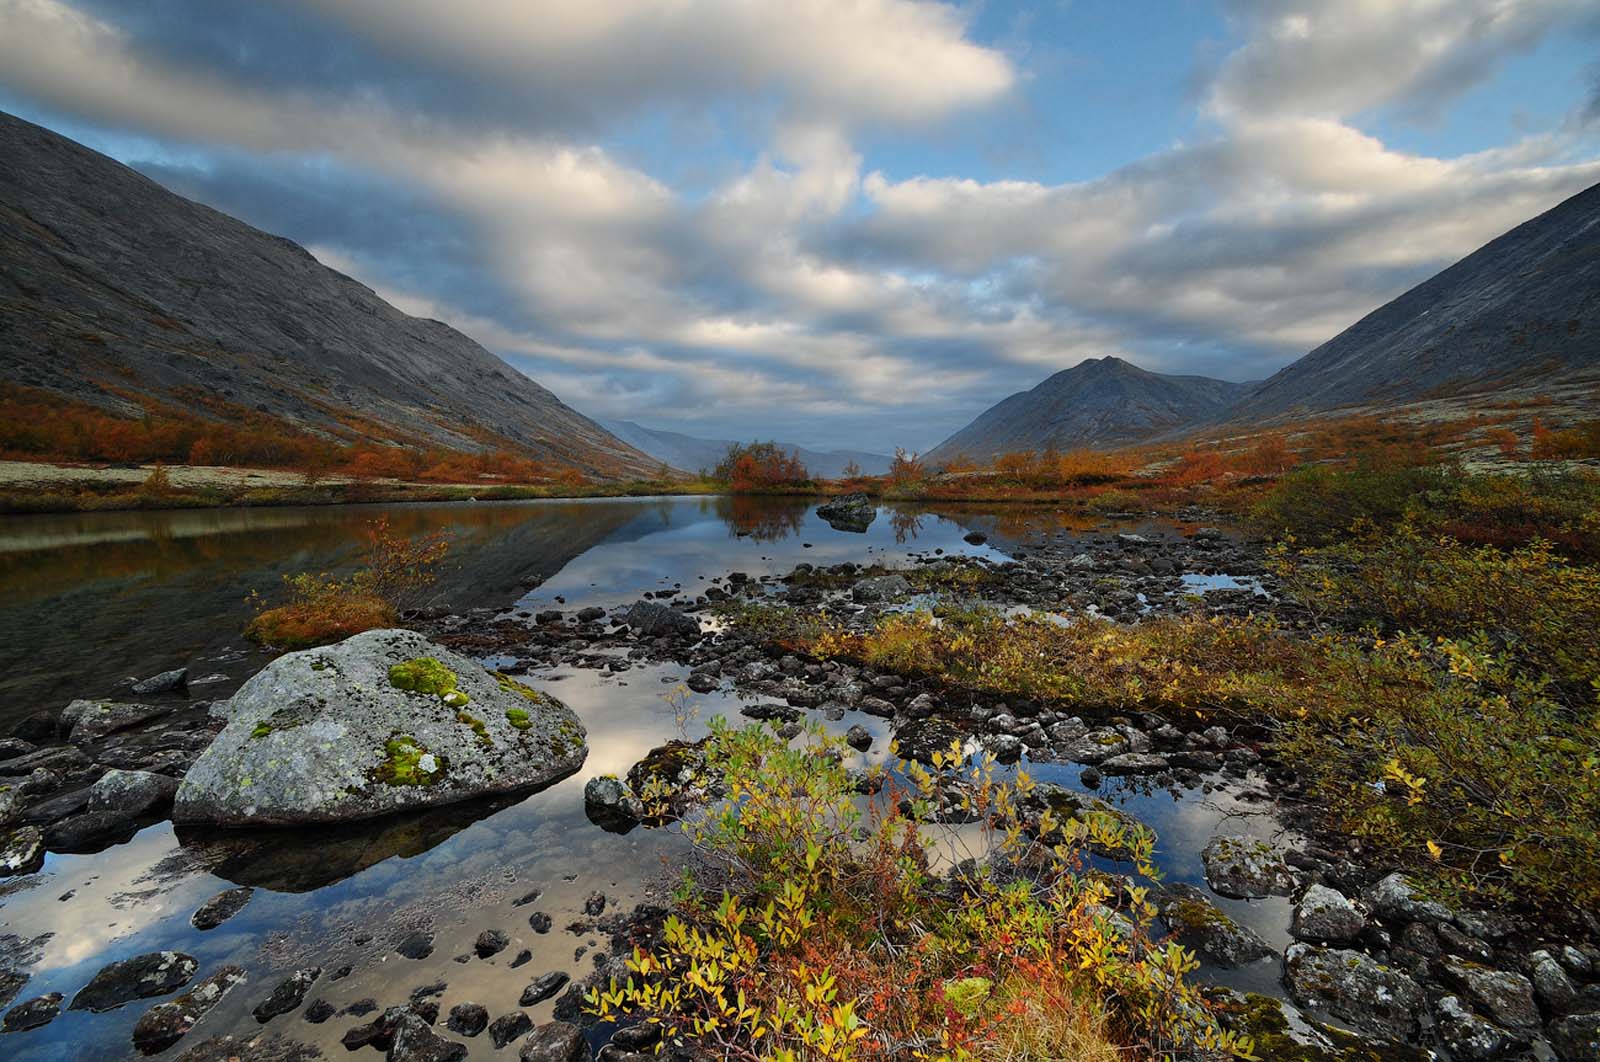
{"x": 116, "y": 291}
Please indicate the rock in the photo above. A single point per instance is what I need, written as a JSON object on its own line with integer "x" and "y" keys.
{"x": 289, "y": 994}
{"x": 1355, "y": 988}
{"x": 90, "y": 831}
{"x": 166, "y": 1023}
{"x": 490, "y": 942}
{"x": 880, "y": 588}
{"x": 21, "y": 851}
{"x": 86, "y": 721}
{"x": 1550, "y": 982}
{"x": 1134, "y": 763}
{"x": 849, "y": 512}
{"x": 12, "y": 804}
{"x": 418, "y": 944}
{"x": 1005, "y": 748}
{"x": 381, "y": 722}
{"x": 555, "y": 1041}
{"x": 133, "y": 793}
{"x": 1396, "y": 899}
{"x": 858, "y": 737}
{"x": 32, "y": 1014}
{"x": 595, "y": 904}
{"x": 221, "y": 907}
{"x": 975, "y": 538}
{"x": 1326, "y": 916}
{"x": 1577, "y": 1038}
{"x": 415, "y": 1041}
{"x": 153, "y": 974}
{"x": 1468, "y": 1036}
{"x": 166, "y": 682}
{"x": 1245, "y": 869}
{"x": 1507, "y": 996}
{"x": 508, "y": 1027}
{"x": 543, "y": 988}
{"x": 467, "y": 1019}
{"x": 611, "y": 805}
{"x": 1198, "y": 924}
{"x": 654, "y": 621}
{"x": 539, "y": 922}
{"x": 590, "y": 614}
{"x": 921, "y": 738}
{"x": 318, "y": 1011}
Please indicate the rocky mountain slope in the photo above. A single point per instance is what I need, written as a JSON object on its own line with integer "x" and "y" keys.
{"x": 1100, "y": 402}
{"x": 1523, "y": 308}
{"x": 692, "y": 454}
{"x": 115, "y": 291}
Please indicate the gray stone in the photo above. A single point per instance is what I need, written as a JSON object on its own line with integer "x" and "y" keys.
{"x": 1327, "y": 916}
{"x": 326, "y": 735}
{"x": 21, "y": 851}
{"x": 848, "y": 512}
{"x": 415, "y": 1041}
{"x": 1134, "y": 763}
{"x": 653, "y": 621}
{"x": 858, "y": 737}
{"x": 1550, "y": 982}
{"x": 289, "y": 994}
{"x": 166, "y": 682}
{"x": 555, "y": 1041}
{"x": 1355, "y": 988}
{"x": 1245, "y": 869}
{"x": 543, "y": 988}
{"x": 880, "y": 588}
{"x": 1200, "y": 925}
{"x": 141, "y": 977}
{"x": 13, "y": 802}
{"x": 221, "y": 907}
{"x": 166, "y": 1023}
{"x": 1577, "y": 1038}
{"x": 86, "y": 721}
{"x": 133, "y": 793}
{"x": 1397, "y": 899}
{"x": 467, "y": 1019}
{"x": 32, "y": 1014}
{"x": 1468, "y": 1036}
{"x": 508, "y": 1027}
{"x": 1507, "y": 996}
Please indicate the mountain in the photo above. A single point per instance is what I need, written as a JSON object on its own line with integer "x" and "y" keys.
{"x": 1523, "y": 308}
{"x": 691, "y": 454}
{"x": 117, "y": 292}
{"x": 1099, "y": 402}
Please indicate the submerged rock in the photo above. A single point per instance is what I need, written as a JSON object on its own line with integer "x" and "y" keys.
{"x": 508, "y": 1027}
{"x": 166, "y": 1023}
{"x": 381, "y": 722}
{"x": 1354, "y": 987}
{"x": 543, "y": 988}
{"x": 141, "y": 977}
{"x": 32, "y": 1014}
{"x": 289, "y": 994}
{"x": 221, "y": 907}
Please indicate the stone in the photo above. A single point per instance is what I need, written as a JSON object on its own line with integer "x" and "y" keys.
{"x": 1005, "y": 748}
{"x": 318, "y": 1011}
{"x": 155, "y": 973}
{"x": 166, "y": 682}
{"x": 467, "y": 1019}
{"x": 556, "y": 1041}
{"x": 1396, "y": 899}
{"x": 418, "y": 944}
{"x": 133, "y": 793}
{"x": 86, "y": 721}
{"x": 1245, "y": 869}
{"x": 1468, "y": 1036}
{"x": 858, "y": 737}
{"x": 90, "y": 831}
{"x": 166, "y": 1023}
{"x": 1355, "y": 988}
{"x": 415, "y": 1041}
{"x": 1505, "y": 995}
{"x": 32, "y": 1014}
{"x": 543, "y": 988}
{"x": 13, "y": 802}
{"x": 289, "y": 994}
{"x": 381, "y": 722}
{"x": 611, "y": 805}
{"x": 1134, "y": 763}
{"x": 1198, "y": 924}
{"x": 21, "y": 851}
{"x": 221, "y": 907}
{"x": 1326, "y": 916}
{"x": 654, "y": 621}
{"x": 849, "y": 512}
{"x": 490, "y": 942}
{"x": 879, "y": 588}
{"x": 508, "y": 1027}
{"x": 1550, "y": 982}
{"x": 1577, "y": 1038}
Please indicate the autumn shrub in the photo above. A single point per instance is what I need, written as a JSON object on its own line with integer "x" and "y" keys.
{"x": 815, "y": 923}
{"x": 322, "y": 609}
{"x": 760, "y": 466}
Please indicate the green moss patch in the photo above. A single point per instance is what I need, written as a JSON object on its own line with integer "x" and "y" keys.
{"x": 406, "y": 762}
{"x": 519, "y": 718}
{"x": 511, "y": 685}
{"x": 478, "y": 728}
{"x": 423, "y": 675}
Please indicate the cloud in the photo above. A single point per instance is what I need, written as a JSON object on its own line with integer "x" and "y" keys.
{"x": 477, "y": 162}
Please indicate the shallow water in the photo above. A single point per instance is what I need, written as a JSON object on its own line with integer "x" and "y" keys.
{"x": 92, "y": 599}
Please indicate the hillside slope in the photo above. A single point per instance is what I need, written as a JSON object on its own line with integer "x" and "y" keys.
{"x": 691, "y": 454}
{"x": 115, "y": 291}
{"x": 1100, "y": 402}
{"x": 1524, "y": 307}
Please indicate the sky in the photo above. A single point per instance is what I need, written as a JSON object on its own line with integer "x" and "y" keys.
{"x": 844, "y": 223}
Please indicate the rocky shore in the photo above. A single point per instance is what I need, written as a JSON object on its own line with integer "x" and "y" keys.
{"x": 1373, "y": 969}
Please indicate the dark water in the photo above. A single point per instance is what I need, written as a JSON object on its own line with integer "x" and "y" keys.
{"x": 88, "y": 600}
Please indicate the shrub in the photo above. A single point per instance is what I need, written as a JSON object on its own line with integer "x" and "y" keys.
{"x": 759, "y": 465}
{"x": 815, "y": 927}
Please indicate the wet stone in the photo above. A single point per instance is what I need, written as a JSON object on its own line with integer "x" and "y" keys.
{"x": 289, "y": 994}
{"x": 21, "y": 851}
{"x": 318, "y": 1011}
{"x": 543, "y": 988}
{"x": 166, "y": 1023}
{"x": 555, "y": 1041}
{"x": 1326, "y": 915}
{"x": 1243, "y": 868}
{"x": 221, "y": 907}
{"x": 508, "y": 1027}
{"x": 141, "y": 977}
{"x": 415, "y": 945}
{"x": 490, "y": 942}
{"x": 1355, "y": 988}
{"x": 467, "y": 1019}
{"x": 540, "y": 922}
{"x": 32, "y": 1014}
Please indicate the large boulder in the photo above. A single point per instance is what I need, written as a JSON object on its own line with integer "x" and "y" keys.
{"x": 385, "y": 721}
{"x": 654, "y": 621}
{"x": 1244, "y": 868}
{"x": 1354, "y": 988}
{"x": 849, "y": 512}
